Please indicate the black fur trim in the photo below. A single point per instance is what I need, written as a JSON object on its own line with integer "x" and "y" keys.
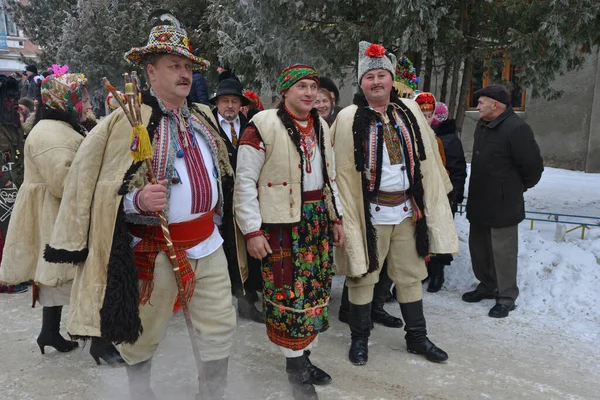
{"x": 119, "y": 316}
{"x": 229, "y": 236}
{"x": 371, "y": 232}
{"x": 319, "y": 133}
{"x": 62, "y": 256}
{"x": 45, "y": 112}
{"x": 295, "y": 136}
{"x": 414, "y": 125}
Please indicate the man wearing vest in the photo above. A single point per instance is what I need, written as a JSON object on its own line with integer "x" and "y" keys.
{"x": 287, "y": 207}
{"x": 229, "y": 100}
{"x": 393, "y": 189}
{"x": 125, "y": 289}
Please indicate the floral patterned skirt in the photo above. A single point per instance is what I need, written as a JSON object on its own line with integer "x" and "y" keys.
{"x": 297, "y": 278}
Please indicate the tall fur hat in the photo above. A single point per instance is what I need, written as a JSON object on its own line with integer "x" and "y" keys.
{"x": 373, "y": 56}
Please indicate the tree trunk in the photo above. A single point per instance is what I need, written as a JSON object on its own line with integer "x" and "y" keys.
{"x": 460, "y": 53}
{"x": 464, "y": 92}
{"x": 416, "y": 59}
{"x": 444, "y": 92}
{"x": 428, "y": 66}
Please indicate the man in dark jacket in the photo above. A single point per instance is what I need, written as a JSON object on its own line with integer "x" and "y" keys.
{"x": 506, "y": 161}
{"x": 31, "y": 71}
{"x": 199, "y": 92}
{"x": 229, "y": 100}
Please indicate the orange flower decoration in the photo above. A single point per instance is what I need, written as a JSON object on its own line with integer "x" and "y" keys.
{"x": 375, "y": 51}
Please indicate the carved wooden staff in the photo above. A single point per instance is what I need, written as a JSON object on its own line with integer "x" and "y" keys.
{"x": 143, "y": 152}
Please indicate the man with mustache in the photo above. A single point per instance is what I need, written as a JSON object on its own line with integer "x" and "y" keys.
{"x": 287, "y": 207}
{"x": 393, "y": 189}
{"x": 125, "y": 287}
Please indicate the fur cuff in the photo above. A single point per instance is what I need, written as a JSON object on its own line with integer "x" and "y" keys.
{"x": 62, "y": 256}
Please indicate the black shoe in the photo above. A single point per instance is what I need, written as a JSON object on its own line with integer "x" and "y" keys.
{"x": 101, "y": 349}
{"x": 247, "y": 309}
{"x": 417, "y": 341}
{"x": 317, "y": 375}
{"x": 501, "y": 310}
{"x": 380, "y": 316}
{"x": 360, "y": 329}
{"x": 139, "y": 381}
{"x": 299, "y": 379}
{"x": 475, "y": 297}
{"x": 216, "y": 379}
{"x": 50, "y": 334}
{"x": 436, "y": 277}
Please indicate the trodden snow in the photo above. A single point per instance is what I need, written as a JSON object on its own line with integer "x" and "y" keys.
{"x": 546, "y": 349}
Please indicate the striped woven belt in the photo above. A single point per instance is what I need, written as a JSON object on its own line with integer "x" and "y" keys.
{"x": 388, "y": 199}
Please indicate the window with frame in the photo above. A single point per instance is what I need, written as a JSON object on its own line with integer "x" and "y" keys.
{"x": 497, "y": 69}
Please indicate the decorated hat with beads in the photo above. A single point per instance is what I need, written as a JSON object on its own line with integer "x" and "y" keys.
{"x": 426, "y": 101}
{"x": 167, "y": 38}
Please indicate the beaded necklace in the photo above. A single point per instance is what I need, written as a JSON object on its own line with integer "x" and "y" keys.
{"x": 308, "y": 140}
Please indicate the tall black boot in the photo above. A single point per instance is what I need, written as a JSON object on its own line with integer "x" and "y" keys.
{"x": 216, "y": 379}
{"x": 416, "y": 333}
{"x": 380, "y": 293}
{"x": 101, "y": 349}
{"x": 360, "y": 329}
{"x": 436, "y": 276}
{"x": 299, "y": 378}
{"x": 247, "y": 309}
{"x": 50, "y": 334}
{"x": 139, "y": 381}
{"x": 344, "y": 306}
{"x": 317, "y": 375}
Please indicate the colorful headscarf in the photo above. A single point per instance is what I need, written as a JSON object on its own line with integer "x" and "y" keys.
{"x": 63, "y": 91}
{"x": 255, "y": 98}
{"x": 440, "y": 114}
{"x": 426, "y": 101}
{"x": 294, "y": 74}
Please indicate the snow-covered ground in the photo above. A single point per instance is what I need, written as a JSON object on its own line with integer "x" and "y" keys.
{"x": 546, "y": 349}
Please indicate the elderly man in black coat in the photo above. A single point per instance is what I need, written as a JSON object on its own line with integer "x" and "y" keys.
{"x": 506, "y": 161}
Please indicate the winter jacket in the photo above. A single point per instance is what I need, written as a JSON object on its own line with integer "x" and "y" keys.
{"x": 506, "y": 161}
{"x": 49, "y": 152}
{"x": 455, "y": 158}
{"x": 31, "y": 89}
{"x": 357, "y": 255}
{"x": 199, "y": 92}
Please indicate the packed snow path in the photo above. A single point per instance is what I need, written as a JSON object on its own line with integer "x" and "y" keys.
{"x": 546, "y": 349}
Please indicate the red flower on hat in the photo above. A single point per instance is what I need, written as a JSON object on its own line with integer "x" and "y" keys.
{"x": 375, "y": 51}
{"x": 163, "y": 38}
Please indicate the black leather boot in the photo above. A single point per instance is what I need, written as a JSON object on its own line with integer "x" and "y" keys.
{"x": 436, "y": 276}
{"x": 139, "y": 381}
{"x": 50, "y": 333}
{"x": 416, "y": 333}
{"x": 317, "y": 375}
{"x": 247, "y": 309}
{"x": 360, "y": 329}
{"x": 101, "y": 349}
{"x": 378, "y": 313}
{"x": 344, "y": 306}
{"x": 216, "y": 379}
{"x": 299, "y": 378}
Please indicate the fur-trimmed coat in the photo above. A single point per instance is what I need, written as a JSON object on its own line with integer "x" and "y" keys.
{"x": 435, "y": 232}
{"x": 92, "y": 231}
{"x": 49, "y": 152}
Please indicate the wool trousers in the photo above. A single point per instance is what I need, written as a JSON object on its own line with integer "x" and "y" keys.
{"x": 406, "y": 268}
{"x": 494, "y": 256}
{"x": 211, "y": 309}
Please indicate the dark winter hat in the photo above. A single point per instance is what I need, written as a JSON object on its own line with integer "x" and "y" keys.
{"x": 32, "y": 68}
{"x": 230, "y": 87}
{"x": 327, "y": 83}
{"x": 496, "y": 92}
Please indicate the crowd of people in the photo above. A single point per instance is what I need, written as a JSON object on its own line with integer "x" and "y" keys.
{"x": 258, "y": 201}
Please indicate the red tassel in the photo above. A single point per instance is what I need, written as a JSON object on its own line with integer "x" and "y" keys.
{"x": 146, "y": 290}
{"x": 189, "y": 286}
